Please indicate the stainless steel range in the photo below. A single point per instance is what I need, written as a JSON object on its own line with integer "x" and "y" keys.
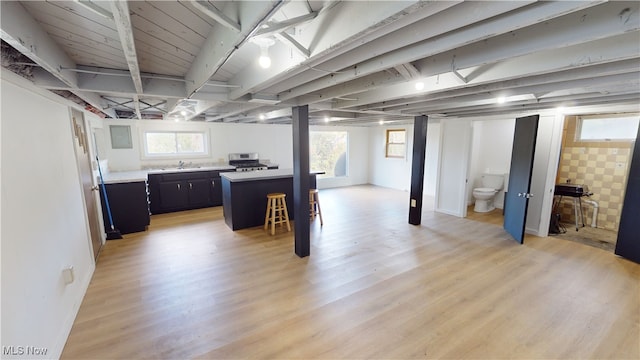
{"x": 246, "y": 162}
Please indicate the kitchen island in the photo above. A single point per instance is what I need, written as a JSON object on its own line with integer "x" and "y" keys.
{"x": 244, "y": 195}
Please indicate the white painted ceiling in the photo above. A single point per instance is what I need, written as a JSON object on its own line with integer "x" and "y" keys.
{"x": 351, "y": 62}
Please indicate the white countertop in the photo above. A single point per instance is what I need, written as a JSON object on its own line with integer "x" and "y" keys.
{"x": 141, "y": 175}
{"x": 259, "y": 175}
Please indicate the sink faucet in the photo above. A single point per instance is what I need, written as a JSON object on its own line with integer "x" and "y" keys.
{"x": 180, "y": 164}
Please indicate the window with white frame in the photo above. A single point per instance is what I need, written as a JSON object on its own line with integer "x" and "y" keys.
{"x": 622, "y": 127}
{"x": 328, "y": 152}
{"x": 175, "y": 143}
{"x": 396, "y": 143}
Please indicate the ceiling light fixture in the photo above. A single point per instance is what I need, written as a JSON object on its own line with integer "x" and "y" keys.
{"x": 381, "y": 122}
{"x": 326, "y": 119}
{"x": 264, "y": 42}
{"x": 501, "y": 100}
{"x": 262, "y": 117}
{"x": 183, "y": 112}
{"x": 419, "y": 85}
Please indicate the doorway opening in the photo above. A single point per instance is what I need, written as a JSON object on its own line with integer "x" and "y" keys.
{"x": 490, "y": 159}
{"x": 594, "y": 164}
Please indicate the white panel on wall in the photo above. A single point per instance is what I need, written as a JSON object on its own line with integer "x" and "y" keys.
{"x": 431, "y": 161}
{"x": 38, "y": 241}
{"x": 545, "y": 165}
{"x": 455, "y": 146}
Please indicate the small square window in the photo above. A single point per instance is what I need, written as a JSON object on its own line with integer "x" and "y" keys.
{"x": 396, "y": 143}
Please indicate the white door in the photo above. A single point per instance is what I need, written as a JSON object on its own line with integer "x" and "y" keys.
{"x": 453, "y": 165}
{"x": 81, "y": 143}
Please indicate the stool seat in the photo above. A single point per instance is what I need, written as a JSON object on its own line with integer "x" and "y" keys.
{"x": 314, "y": 205}
{"x": 276, "y": 212}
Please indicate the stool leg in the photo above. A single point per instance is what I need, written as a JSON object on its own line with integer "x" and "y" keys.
{"x": 317, "y": 203}
{"x": 312, "y": 208}
{"x": 286, "y": 214}
{"x": 266, "y": 216}
{"x": 274, "y": 205}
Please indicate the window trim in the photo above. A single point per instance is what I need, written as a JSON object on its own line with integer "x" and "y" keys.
{"x": 147, "y": 156}
{"x": 387, "y": 143}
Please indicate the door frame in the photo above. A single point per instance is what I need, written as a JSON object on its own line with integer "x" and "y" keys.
{"x": 85, "y": 141}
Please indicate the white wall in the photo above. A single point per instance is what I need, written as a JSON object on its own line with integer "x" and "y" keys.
{"x": 44, "y": 226}
{"x": 491, "y": 152}
{"x": 389, "y": 172}
{"x": 396, "y": 173}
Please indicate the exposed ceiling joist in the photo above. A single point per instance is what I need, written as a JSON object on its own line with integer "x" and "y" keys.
{"x": 216, "y": 15}
{"x": 122, "y": 20}
{"x": 487, "y": 24}
{"x": 408, "y": 71}
{"x": 288, "y": 39}
{"x": 272, "y": 27}
{"x": 95, "y": 8}
{"x": 518, "y": 68}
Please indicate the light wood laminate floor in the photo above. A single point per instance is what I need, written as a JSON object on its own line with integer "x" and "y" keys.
{"x": 373, "y": 287}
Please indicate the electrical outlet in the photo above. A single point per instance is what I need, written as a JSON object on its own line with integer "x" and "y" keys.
{"x": 67, "y": 274}
{"x": 613, "y": 151}
{"x": 413, "y": 203}
{"x": 619, "y": 165}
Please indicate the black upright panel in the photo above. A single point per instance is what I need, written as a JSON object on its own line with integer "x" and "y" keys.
{"x": 301, "y": 181}
{"x": 417, "y": 168}
{"x": 516, "y": 200}
{"x": 628, "y": 244}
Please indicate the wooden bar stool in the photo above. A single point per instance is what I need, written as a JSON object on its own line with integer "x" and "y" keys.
{"x": 314, "y": 205}
{"x": 276, "y": 212}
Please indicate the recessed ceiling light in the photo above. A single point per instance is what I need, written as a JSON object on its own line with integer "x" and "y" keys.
{"x": 262, "y": 117}
{"x": 501, "y": 99}
{"x": 381, "y": 122}
{"x": 326, "y": 119}
{"x": 419, "y": 85}
{"x": 183, "y": 112}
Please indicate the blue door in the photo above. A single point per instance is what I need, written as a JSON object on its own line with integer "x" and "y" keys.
{"x": 628, "y": 243}
{"x": 517, "y": 196}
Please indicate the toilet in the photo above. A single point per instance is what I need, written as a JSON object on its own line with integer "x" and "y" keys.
{"x": 491, "y": 184}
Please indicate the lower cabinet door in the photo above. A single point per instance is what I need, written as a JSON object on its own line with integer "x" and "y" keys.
{"x": 199, "y": 194}
{"x": 216, "y": 191}
{"x": 173, "y": 195}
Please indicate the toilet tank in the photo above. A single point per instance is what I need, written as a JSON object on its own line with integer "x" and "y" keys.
{"x": 493, "y": 181}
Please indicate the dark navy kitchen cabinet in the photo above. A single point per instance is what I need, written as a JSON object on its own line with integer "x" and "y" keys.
{"x": 176, "y": 191}
{"x": 129, "y": 206}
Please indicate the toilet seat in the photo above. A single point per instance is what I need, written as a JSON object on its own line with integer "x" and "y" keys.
{"x": 485, "y": 190}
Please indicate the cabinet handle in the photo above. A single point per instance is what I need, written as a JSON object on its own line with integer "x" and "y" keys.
{"x": 190, "y": 186}
{"x": 178, "y": 186}
{"x": 213, "y": 183}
